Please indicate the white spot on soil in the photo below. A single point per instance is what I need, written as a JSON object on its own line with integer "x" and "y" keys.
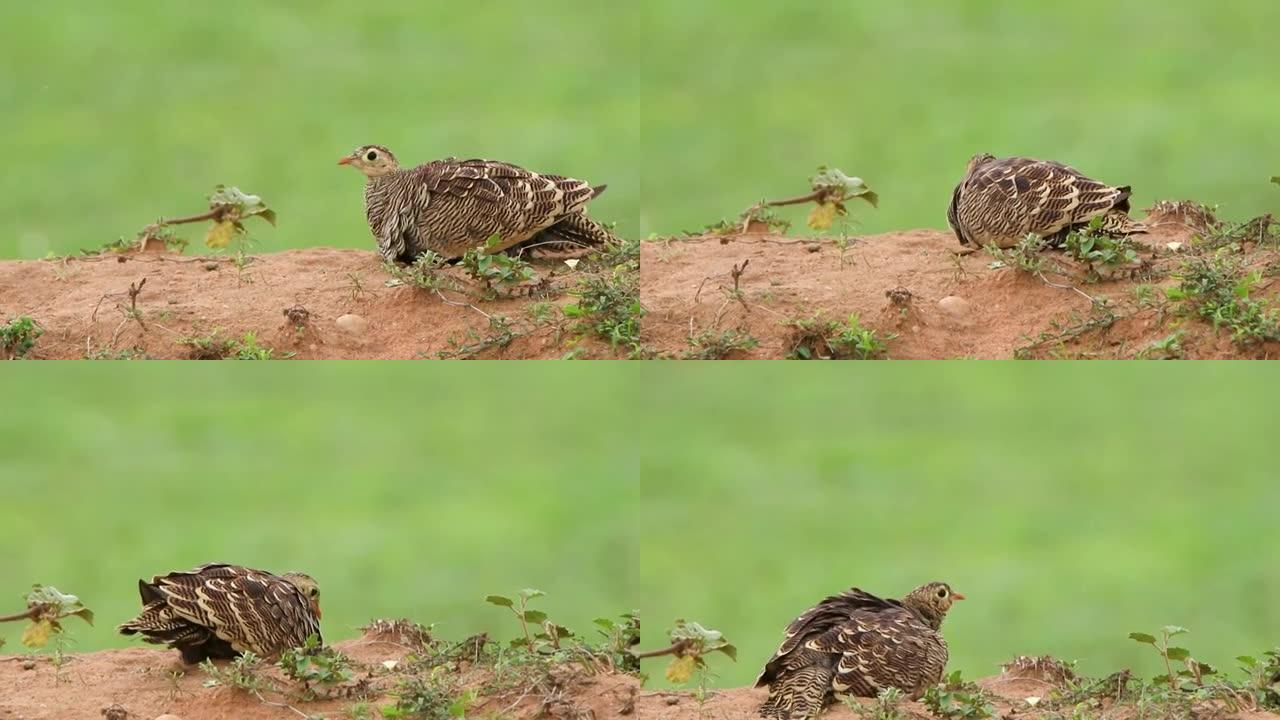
{"x": 352, "y": 325}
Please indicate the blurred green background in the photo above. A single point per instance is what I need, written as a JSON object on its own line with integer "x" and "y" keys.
{"x": 403, "y": 493}
{"x": 118, "y": 113}
{"x": 1071, "y": 504}
{"x": 112, "y": 115}
{"x": 1176, "y": 99}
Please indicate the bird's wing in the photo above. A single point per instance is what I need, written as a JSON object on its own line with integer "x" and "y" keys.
{"x": 1047, "y": 196}
{"x": 250, "y": 609}
{"x": 517, "y": 200}
{"x": 819, "y": 619}
{"x": 881, "y": 647}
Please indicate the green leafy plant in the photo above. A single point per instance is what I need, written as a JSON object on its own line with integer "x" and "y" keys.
{"x": 884, "y": 708}
{"x": 1263, "y": 678}
{"x": 1024, "y": 256}
{"x": 712, "y": 345}
{"x": 47, "y": 607}
{"x": 818, "y": 338}
{"x": 315, "y": 665}
{"x": 1097, "y": 249}
{"x": 18, "y": 336}
{"x": 432, "y": 697}
{"x": 496, "y": 269}
{"x": 545, "y": 636}
{"x": 956, "y": 698}
{"x": 830, "y": 190}
{"x": 1195, "y": 671}
{"x": 1217, "y": 290}
{"x": 619, "y": 637}
{"x": 426, "y": 273}
{"x": 607, "y": 302}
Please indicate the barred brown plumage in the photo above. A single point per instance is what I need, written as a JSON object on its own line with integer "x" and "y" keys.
{"x": 857, "y": 644}
{"x": 222, "y": 611}
{"x": 451, "y": 206}
{"x": 1001, "y": 201}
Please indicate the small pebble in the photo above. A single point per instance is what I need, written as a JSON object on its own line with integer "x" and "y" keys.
{"x": 353, "y": 324}
{"x": 167, "y": 716}
{"x": 28, "y": 664}
{"x": 954, "y": 306}
{"x": 211, "y": 266}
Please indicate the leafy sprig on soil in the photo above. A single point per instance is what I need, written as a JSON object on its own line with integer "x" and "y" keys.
{"x": 1194, "y": 671}
{"x": 818, "y": 338}
{"x": 690, "y": 644}
{"x": 957, "y": 698}
{"x": 885, "y": 706}
{"x": 607, "y": 301}
{"x": 229, "y": 207}
{"x": 497, "y": 271}
{"x": 18, "y": 337}
{"x": 1218, "y": 290}
{"x": 830, "y": 190}
{"x": 47, "y": 607}
{"x": 314, "y": 665}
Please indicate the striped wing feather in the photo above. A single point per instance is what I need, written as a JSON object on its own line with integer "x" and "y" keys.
{"x": 815, "y": 621}
{"x": 885, "y": 648}
{"x": 251, "y": 610}
{"x": 450, "y": 206}
{"x": 1002, "y": 201}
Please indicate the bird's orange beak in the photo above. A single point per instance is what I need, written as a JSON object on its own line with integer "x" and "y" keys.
{"x": 345, "y": 161}
{"x": 956, "y": 596}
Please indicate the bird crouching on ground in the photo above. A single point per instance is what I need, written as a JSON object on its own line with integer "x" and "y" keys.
{"x": 451, "y": 206}
{"x": 1000, "y": 201}
{"x": 221, "y": 611}
{"x": 857, "y": 644}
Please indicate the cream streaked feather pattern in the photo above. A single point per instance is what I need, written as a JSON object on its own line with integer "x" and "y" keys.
{"x": 1001, "y": 201}
{"x": 451, "y": 206}
{"x": 857, "y": 644}
{"x": 221, "y": 611}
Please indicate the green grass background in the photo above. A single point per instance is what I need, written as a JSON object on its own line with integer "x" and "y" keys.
{"x": 1072, "y": 505}
{"x": 115, "y": 114}
{"x": 1175, "y": 99}
{"x": 404, "y": 494}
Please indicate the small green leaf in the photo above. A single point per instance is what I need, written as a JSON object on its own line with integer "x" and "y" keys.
{"x": 1276, "y": 179}
{"x": 499, "y": 600}
{"x": 1172, "y": 630}
{"x": 530, "y": 593}
{"x": 536, "y": 617}
{"x": 730, "y": 650}
{"x": 1142, "y": 638}
{"x": 1178, "y": 654}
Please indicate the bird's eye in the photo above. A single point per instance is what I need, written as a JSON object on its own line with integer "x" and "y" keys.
{"x": 942, "y": 593}
{"x": 371, "y": 156}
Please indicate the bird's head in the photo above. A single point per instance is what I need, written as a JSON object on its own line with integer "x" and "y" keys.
{"x": 372, "y": 160}
{"x": 932, "y": 601}
{"x": 308, "y": 587}
{"x": 978, "y": 161}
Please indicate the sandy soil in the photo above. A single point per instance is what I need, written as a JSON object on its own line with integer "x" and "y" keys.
{"x": 896, "y": 283}
{"x": 135, "y": 684}
{"x": 290, "y": 300}
{"x": 1010, "y": 694}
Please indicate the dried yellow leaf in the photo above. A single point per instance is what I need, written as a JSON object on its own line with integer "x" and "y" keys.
{"x": 822, "y": 216}
{"x": 220, "y": 234}
{"x": 681, "y": 669}
{"x": 37, "y": 634}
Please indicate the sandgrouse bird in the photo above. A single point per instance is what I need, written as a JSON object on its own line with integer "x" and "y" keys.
{"x": 856, "y": 644}
{"x": 221, "y": 611}
{"x": 451, "y": 206}
{"x": 1001, "y": 201}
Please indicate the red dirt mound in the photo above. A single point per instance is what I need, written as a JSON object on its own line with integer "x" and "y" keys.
{"x": 202, "y": 307}
{"x": 925, "y": 301}
{"x": 1009, "y": 693}
{"x": 138, "y": 684}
